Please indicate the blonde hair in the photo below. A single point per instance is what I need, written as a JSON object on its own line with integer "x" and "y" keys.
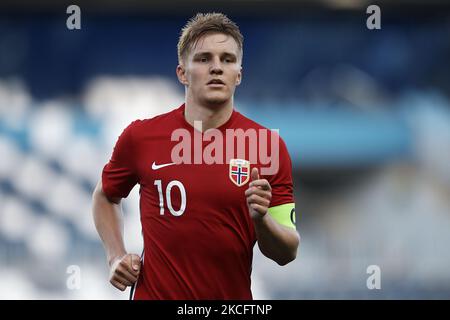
{"x": 203, "y": 23}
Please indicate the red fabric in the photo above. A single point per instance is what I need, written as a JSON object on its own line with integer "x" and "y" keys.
{"x": 205, "y": 253}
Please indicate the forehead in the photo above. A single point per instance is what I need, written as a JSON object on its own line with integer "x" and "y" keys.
{"x": 215, "y": 42}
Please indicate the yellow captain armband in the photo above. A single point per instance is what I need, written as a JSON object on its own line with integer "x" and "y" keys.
{"x": 284, "y": 214}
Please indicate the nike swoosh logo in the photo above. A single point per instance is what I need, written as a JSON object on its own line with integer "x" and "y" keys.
{"x": 159, "y": 166}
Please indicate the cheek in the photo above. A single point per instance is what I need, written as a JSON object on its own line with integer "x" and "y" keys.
{"x": 195, "y": 77}
{"x": 235, "y": 79}
{"x": 236, "y": 73}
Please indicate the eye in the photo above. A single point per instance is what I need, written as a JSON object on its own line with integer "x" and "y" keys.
{"x": 229, "y": 60}
{"x": 203, "y": 59}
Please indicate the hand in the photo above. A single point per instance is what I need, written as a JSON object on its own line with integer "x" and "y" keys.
{"x": 125, "y": 271}
{"x": 258, "y": 195}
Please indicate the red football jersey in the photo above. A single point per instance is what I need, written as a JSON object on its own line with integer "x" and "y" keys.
{"x": 198, "y": 233}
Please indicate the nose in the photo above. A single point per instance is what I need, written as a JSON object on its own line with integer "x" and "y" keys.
{"x": 216, "y": 66}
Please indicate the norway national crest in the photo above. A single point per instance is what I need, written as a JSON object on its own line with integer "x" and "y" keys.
{"x": 239, "y": 171}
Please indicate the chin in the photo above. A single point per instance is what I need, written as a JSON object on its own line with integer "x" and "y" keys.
{"x": 217, "y": 100}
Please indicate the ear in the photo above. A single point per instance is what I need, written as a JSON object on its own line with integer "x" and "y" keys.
{"x": 239, "y": 77}
{"x": 181, "y": 74}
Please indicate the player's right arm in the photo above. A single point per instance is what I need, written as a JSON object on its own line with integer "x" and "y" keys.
{"x": 108, "y": 218}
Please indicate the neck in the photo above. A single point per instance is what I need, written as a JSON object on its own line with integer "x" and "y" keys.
{"x": 211, "y": 116}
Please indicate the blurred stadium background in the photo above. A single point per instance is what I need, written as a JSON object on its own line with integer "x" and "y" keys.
{"x": 365, "y": 115}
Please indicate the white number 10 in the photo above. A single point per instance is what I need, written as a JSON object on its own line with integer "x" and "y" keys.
{"x": 171, "y": 184}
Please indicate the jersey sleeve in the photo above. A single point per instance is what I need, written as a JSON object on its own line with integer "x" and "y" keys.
{"x": 282, "y": 205}
{"x": 119, "y": 175}
{"x": 281, "y": 181}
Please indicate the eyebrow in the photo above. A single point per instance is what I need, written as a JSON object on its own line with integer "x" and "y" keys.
{"x": 209, "y": 54}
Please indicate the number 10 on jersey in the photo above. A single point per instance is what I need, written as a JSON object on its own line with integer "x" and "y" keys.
{"x": 173, "y": 183}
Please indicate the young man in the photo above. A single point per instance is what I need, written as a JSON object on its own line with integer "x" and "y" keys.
{"x": 200, "y": 216}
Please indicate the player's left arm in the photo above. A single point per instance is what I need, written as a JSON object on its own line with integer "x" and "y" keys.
{"x": 277, "y": 241}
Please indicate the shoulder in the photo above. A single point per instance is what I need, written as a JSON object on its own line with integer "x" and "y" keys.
{"x": 246, "y": 123}
{"x": 152, "y": 124}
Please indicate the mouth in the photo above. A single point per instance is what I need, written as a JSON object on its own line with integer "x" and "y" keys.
{"x": 216, "y": 83}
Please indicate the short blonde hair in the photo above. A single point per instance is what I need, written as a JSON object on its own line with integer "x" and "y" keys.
{"x": 203, "y": 23}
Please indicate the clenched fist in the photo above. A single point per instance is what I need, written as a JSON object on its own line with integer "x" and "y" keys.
{"x": 258, "y": 195}
{"x": 125, "y": 271}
